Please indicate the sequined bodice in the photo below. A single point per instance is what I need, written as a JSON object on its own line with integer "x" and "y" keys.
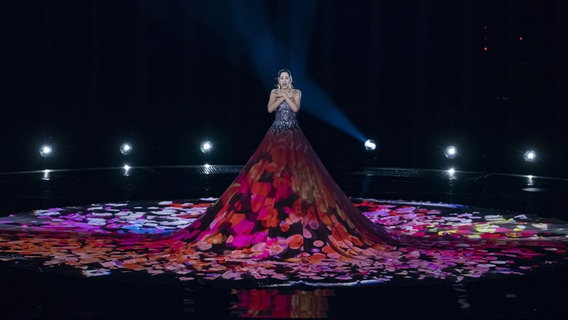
{"x": 285, "y": 118}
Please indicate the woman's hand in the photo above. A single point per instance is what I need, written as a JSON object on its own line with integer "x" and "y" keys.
{"x": 276, "y": 98}
{"x": 292, "y": 97}
{"x": 288, "y": 94}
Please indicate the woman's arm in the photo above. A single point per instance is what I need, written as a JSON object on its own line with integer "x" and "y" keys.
{"x": 293, "y": 99}
{"x": 275, "y": 100}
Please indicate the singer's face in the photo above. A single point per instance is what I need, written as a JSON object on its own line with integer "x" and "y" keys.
{"x": 284, "y": 80}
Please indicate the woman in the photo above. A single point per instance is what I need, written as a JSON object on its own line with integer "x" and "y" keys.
{"x": 284, "y": 202}
{"x": 285, "y": 92}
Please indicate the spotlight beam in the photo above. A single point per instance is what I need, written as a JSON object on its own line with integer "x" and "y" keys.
{"x": 266, "y": 53}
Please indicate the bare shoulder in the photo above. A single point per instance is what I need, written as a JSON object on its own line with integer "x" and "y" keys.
{"x": 297, "y": 92}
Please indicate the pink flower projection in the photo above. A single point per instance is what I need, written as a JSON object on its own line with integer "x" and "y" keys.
{"x": 64, "y": 237}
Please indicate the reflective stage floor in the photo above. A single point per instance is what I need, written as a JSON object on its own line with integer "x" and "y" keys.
{"x": 27, "y": 292}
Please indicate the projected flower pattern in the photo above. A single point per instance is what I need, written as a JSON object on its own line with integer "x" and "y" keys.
{"x": 141, "y": 242}
{"x": 283, "y": 220}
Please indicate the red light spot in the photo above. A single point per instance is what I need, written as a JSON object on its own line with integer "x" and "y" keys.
{"x": 521, "y": 38}
{"x": 485, "y": 49}
{"x": 484, "y": 27}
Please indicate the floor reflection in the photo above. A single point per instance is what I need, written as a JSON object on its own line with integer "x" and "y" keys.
{"x": 273, "y": 303}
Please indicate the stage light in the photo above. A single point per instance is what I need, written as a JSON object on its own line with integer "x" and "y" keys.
{"x": 126, "y": 169}
{"x": 45, "y": 151}
{"x": 125, "y": 149}
{"x": 529, "y": 156}
{"x": 451, "y": 152}
{"x": 206, "y": 147}
{"x": 370, "y": 145}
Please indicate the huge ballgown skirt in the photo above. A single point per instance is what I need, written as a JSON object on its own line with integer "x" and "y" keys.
{"x": 284, "y": 203}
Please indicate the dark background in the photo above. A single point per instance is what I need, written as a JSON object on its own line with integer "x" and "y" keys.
{"x": 164, "y": 75}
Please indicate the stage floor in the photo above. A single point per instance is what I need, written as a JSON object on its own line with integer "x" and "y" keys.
{"x": 28, "y": 292}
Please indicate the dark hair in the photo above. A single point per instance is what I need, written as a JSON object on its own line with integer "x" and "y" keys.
{"x": 281, "y": 71}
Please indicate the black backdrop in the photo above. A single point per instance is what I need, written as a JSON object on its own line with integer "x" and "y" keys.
{"x": 164, "y": 75}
